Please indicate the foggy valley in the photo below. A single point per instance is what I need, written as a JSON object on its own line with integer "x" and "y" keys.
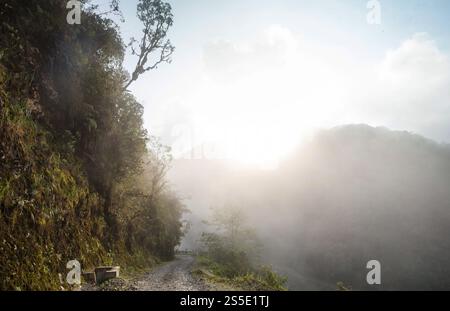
{"x": 351, "y": 194}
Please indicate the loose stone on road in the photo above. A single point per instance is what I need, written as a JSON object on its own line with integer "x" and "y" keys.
{"x": 172, "y": 276}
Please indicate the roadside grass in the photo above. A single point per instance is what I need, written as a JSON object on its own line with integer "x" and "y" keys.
{"x": 261, "y": 279}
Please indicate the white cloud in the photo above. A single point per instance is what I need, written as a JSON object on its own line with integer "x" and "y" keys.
{"x": 412, "y": 90}
{"x": 417, "y": 60}
{"x": 264, "y": 95}
{"x": 226, "y": 61}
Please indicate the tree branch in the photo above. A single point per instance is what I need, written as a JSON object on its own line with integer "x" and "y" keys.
{"x": 157, "y": 18}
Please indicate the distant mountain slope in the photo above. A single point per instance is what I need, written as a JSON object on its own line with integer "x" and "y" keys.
{"x": 357, "y": 193}
{"x": 352, "y": 194}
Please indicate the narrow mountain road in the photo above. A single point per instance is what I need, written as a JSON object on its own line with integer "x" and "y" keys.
{"x": 175, "y": 275}
{"x": 172, "y": 276}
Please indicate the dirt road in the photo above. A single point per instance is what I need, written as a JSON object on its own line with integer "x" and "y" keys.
{"x": 172, "y": 276}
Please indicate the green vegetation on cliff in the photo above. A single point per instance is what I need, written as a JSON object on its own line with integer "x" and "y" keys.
{"x": 79, "y": 176}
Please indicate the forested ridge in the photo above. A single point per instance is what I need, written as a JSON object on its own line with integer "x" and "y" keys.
{"x": 80, "y": 178}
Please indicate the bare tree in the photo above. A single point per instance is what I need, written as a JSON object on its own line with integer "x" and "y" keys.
{"x": 153, "y": 49}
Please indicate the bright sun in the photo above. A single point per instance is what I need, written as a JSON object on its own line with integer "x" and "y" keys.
{"x": 259, "y": 120}
{"x": 257, "y": 113}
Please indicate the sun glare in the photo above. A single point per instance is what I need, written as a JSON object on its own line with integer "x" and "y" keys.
{"x": 259, "y": 119}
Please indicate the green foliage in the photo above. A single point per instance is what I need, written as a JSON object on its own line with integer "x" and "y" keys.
{"x": 340, "y": 286}
{"x": 232, "y": 253}
{"x": 231, "y": 244}
{"x": 48, "y": 216}
{"x": 156, "y": 17}
{"x": 72, "y": 150}
{"x": 262, "y": 278}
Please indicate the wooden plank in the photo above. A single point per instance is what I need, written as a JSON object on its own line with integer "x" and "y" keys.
{"x": 89, "y": 277}
{"x": 105, "y": 273}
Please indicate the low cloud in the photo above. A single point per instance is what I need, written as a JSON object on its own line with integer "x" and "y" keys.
{"x": 413, "y": 85}
{"x": 417, "y": 60}
{"x": 274, "y": 90}
{"x": 226, "y": 61}
{"x": 319, "y": 86}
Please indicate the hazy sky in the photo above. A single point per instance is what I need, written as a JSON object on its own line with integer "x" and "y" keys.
{"x": 253, "y": 78}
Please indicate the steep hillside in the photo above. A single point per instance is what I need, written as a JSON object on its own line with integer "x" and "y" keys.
{"x": 79, "y": 176}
